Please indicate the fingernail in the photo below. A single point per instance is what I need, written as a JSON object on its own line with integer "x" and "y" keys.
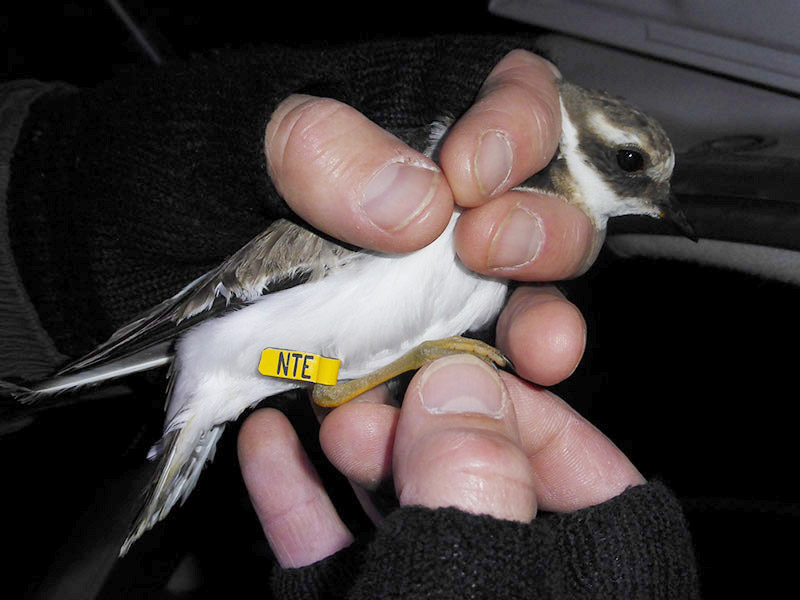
{"x": 518, "y": 240}
{"x": 554, "y": 69}
{"x": 493, "y": 161}
{"x": 397, "y": 194}
{"x": 462, "y": 384}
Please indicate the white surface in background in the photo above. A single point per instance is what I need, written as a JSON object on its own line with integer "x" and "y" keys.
{"x": 756, "y": 41}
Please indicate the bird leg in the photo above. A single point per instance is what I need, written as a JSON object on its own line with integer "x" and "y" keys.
{"x": 335, "y": 395}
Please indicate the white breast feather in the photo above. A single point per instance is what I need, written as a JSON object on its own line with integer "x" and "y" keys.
{"x": 366, "y": 315}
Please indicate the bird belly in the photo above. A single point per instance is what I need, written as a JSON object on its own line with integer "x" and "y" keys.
{"x": 365, "y": 314}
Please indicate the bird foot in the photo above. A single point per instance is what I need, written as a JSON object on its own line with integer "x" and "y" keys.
{"x": 335, "y": 395}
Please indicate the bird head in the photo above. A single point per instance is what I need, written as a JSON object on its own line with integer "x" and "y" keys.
{"x": 612, "y": 160}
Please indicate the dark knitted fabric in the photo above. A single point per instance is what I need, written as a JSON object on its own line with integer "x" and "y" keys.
{"x": 26, "y": 350}
{"x": 634, "y": 546}
{"x": 122, "y": 194}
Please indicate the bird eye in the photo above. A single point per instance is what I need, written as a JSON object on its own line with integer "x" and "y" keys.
{"x": 630, "y": 160}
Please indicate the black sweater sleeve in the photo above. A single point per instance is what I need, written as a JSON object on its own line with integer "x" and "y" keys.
{"x": 634, "y": 546}
{"x": 123, "y": 193}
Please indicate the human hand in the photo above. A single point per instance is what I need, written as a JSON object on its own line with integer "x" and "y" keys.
{"x": 325, "y": 160}
{"x": 488, "y": 443}
{"x": 357, "y": 182}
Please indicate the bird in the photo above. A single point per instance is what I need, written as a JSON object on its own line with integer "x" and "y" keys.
{"x": 292, "y": 300}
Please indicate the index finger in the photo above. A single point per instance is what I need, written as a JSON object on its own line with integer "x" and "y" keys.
{"x": 510, "y": 132}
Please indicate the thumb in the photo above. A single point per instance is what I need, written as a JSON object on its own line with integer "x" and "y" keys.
{"x": 457, "y": 443}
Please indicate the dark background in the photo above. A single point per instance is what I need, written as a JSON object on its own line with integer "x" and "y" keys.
{"x": 690, "y": 370}
{"x": 84, "y": 42}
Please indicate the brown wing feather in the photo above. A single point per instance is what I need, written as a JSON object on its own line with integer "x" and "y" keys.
{"x": 284, "y": 253}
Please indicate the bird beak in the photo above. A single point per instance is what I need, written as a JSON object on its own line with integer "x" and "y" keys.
{"x": 671, "y": 210}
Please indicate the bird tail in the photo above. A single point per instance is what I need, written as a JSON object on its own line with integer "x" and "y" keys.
{"x": 182, "y": 454}
{"x": 68, "y": 380}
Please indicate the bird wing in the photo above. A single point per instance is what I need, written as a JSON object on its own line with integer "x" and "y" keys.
{"x": 282, "y": 256}
{"x": 179, "y": 467}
